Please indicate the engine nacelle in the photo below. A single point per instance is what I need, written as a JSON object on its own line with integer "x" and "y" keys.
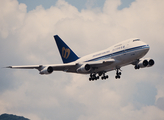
{"x": 151, "y": 62}
{"x": 46, "y": 70}
{"x": 84, "y": 68}
{"x": 145, "y": 63}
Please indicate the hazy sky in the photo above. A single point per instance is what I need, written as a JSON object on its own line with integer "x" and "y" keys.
{"x": 80, "y": 4}
{"x": 26, "y": 38}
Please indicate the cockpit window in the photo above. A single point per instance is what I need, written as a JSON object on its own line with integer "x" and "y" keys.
{"x": 136, "y": 40}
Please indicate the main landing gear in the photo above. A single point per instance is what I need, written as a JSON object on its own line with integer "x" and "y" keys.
{"x": 118, "y": 74}
{"x": 136, "y": 67}
{"x": 94, "y": 77}
{"x": 104, "y": 76}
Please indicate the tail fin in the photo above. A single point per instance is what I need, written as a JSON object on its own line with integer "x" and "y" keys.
{"x": 66, "y": 53}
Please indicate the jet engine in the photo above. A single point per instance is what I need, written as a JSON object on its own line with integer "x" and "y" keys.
{"x": 46, "y": 70}
{"x": 84, "y": 68}
{"x": 145, "y": 63}
{"x": 151, "y": 62}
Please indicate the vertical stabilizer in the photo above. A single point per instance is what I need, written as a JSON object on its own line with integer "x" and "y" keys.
{"x": 66, "y": 53}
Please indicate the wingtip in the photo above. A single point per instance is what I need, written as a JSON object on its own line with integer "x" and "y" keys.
{"x": 8, "y": 67}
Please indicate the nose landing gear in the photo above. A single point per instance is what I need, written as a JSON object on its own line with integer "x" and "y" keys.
{"x": 118, "y": 74}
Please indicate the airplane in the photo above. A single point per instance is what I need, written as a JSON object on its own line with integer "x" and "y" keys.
{"x": 98, "y": 64}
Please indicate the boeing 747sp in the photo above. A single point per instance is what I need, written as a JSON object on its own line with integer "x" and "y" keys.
{"x": 97, "y": 64}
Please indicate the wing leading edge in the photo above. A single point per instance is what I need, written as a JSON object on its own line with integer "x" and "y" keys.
{"x": 44, "y": 69}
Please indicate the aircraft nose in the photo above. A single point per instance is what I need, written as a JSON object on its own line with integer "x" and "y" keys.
{"x": 148, "y": 46}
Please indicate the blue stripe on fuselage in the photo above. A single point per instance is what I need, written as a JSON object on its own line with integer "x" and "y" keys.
{"x": 119, "y": 53}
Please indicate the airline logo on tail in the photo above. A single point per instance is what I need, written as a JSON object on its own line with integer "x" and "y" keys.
{"x": 65, "y": 52}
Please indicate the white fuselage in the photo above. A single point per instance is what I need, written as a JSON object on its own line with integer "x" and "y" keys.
{"x": 124, "y": 53}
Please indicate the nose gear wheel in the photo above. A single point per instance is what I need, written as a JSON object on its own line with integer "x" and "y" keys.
{"x": 118, "y": 74}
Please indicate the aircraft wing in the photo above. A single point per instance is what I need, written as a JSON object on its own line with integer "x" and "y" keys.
{"x": 25, "y": 67}
{"x": 73, "y": 66}
{"x": 88, "y": 67}
{"x": 69, "y": 67}
{"x": 64, "y": 67}
{"x": 54, "y": 67}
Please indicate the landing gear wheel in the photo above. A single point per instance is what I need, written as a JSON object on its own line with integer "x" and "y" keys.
{"x": 104, "y": 77}
{"x": 107, "y": 77}
{"x": 136, "y": 67}
{"x": 117, "y": 77}
{"x": 97, "y": 77}
{"x": 118, "y": 74}
{"x": 93, "y": 77}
